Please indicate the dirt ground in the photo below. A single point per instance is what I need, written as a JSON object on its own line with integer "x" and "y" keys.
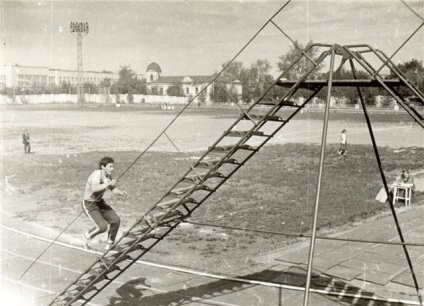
{"x": 73, "y": 132}
{"x": 64, "y": 134}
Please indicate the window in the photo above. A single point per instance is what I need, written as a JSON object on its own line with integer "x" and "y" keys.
{"x": 197, "y": 90}
{"x": 161, "y": 90}
{"x": 151, "y": 77}
{"x": 187, "y": 90}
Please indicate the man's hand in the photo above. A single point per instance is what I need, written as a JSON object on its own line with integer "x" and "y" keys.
{"x": 111, "y": 182}
{"x": 124, "y": 194}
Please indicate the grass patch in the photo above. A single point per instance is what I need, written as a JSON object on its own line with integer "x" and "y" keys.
{"x": 275, "y": 191}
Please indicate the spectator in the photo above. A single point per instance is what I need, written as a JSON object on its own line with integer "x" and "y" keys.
{"x": 405, "y": 179}
{"x": 343, "y": 144}
{"x": 25, "y": 141}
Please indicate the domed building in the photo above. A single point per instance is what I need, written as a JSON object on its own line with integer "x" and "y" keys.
{"x": 153, "y": 72}
{"x": 191, "y": 85}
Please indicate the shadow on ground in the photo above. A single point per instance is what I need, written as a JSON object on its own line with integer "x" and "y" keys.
{"x": 137, "y": 292}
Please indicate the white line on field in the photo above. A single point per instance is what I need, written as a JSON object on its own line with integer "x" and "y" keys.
{"x": 230, "y": 278}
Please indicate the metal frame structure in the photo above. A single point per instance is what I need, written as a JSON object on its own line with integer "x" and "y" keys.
{"x": 221, "y": 161}
{"x": 79, "y": 30}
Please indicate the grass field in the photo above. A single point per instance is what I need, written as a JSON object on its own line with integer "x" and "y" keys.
{"x": 275, "y": 191}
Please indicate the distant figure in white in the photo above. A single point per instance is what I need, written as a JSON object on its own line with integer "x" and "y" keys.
{"x": 343, "y": 144}
{"x": 98, "y": 211}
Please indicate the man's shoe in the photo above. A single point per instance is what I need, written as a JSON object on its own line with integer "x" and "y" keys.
{"x": 86, "y": 242}
{"x": 109, "y": 245}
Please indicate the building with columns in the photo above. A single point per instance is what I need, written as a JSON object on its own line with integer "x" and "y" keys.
{"x": 191, "y": 85}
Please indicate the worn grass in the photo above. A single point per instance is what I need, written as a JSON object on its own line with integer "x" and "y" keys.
{"x": 274, "y": 191}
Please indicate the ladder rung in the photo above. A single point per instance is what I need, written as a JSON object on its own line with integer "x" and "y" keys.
{"x": 224, "y": 149}
{"x": 89, "y": 279}
{"x": 169, "y": 203}
{"x": 66, "y": 299}
{"x": 72, "y": 292}
{"x": 276, "y": 102}
{"x": 195, "y": 178}
{"x": 183, "y": 190}
{"x": 171, "y": 216}
{"x": 244, "y": 133}
{"x": 263, "y": 117}
{"x": 213, "y": 162}
{"x": 137, "y": 235}
{"x": 208, "y": 164}
{"x": 214, "y": 174}
{"x": 123, "y": 248}
{"x": 140, "y": 231}
{"x": 110, "y": 260}
{"x": 126, "y": 243}
{"x": 98, "y": 271}
{"x": 113, "y": 255}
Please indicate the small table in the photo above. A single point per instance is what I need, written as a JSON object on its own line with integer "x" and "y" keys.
{"x": 407, "y": 195}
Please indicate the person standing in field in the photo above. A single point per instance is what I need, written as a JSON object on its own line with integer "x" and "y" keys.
{"x": 25, "y": 141}
{"x": 343, "y": 144}
{"x": 98, "y": 211}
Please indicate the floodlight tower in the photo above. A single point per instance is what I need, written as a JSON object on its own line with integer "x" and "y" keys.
{"x": 79, "y": 30}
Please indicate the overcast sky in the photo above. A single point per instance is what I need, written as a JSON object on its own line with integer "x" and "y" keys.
{"x": 196, "y": 37}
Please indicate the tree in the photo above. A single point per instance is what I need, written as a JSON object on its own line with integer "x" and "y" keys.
{"x": 128, "y": 83}
{"x": 220, "y": 94}
{"x": 259, "y": 79}
{"x": 414, "y": 71}
{"x": 106, "y": 83}
{"x": 90, "y": 88}
{"x": 234, "y": 71}
{"x": 303, "y": 65}
{"x": 66, "y": 88}
{"x": 202, "y": 97}
{"x": 175, "y": 90}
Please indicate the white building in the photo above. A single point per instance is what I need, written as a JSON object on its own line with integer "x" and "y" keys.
{"x": 30, "y": 76}
{"x": 192, "y": 85}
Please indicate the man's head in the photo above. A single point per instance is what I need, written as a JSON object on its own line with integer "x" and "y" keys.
{"x": 405, "y": 174}
{"x": 106, "y": 164}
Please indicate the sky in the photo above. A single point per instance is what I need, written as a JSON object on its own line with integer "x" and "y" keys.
{"x": 197, "y": 37}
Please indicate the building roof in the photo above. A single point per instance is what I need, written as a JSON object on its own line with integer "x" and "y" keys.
{"x": 189, "y": 79}
{"x": 154, "y": 66}
{"x": 168, "y": 79}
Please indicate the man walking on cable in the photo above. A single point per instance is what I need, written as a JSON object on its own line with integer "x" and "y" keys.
{"x": 95, "y": 207}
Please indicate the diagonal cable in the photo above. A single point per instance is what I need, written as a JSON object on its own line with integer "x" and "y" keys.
{"x": 236, "y": 102}
{"x": 189, "y": 164}
{"x": 294, "y": 43}
{"x": 404, "y": 43}
{"x": 412, "y": 10}
{"x": 204, "y": 88}
{"x": 301, "y": 235}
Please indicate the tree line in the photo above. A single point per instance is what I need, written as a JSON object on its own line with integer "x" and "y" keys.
{"x": 255, "y": 79}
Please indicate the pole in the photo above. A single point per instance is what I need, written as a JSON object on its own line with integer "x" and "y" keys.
{"x": 321, "y": 164}
{"x": 386, "y": 188}
{"x": 79, "y": 30}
